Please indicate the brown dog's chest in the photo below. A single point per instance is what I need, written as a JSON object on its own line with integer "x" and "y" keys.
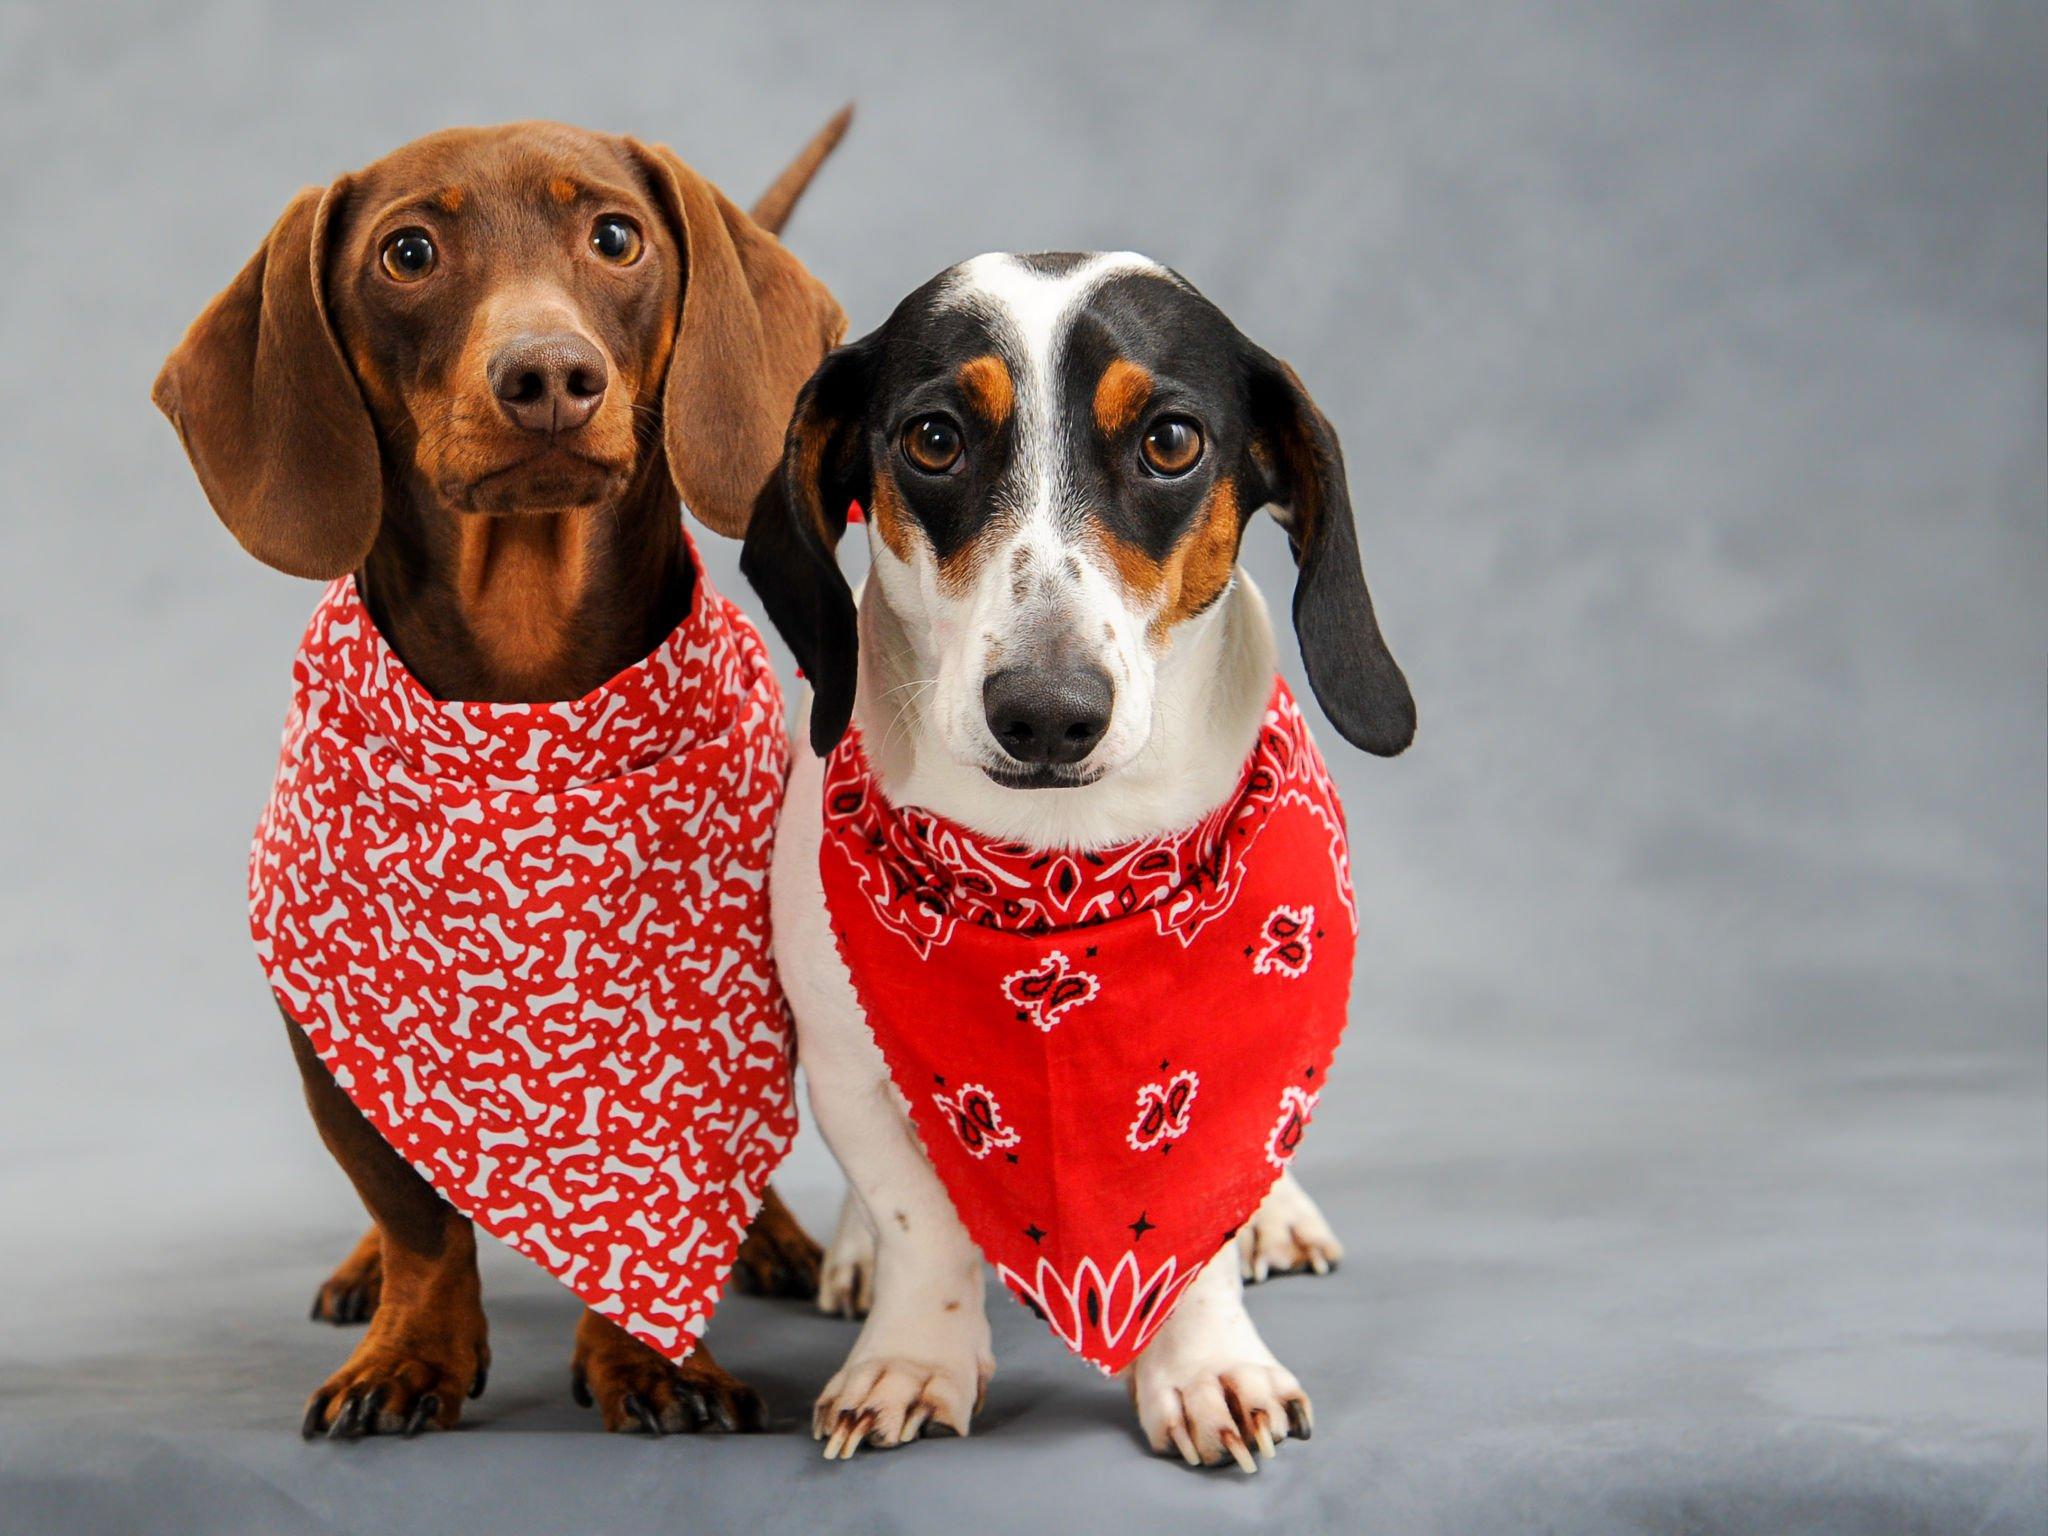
{"x": 534, "y": 608}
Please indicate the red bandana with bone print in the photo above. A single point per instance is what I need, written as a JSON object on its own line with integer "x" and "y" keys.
{"x": 530, "y": 941}
{"x": 1109, "y": 1056}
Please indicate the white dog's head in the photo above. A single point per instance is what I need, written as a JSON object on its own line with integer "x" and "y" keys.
{"x": 1058, "y": 456}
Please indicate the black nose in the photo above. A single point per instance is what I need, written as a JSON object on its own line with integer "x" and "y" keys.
{"x": 1042, "y": 716}
{"x": 548, "y": 383}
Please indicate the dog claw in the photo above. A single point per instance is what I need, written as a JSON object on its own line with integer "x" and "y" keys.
{"x": 1183, "y": 1443}
{"x": 422, "y": 1412}
{"x": 637, "y": 1406}
{"x": 1234, "y": 1443}
{"x": 716, "y": 1409}
{"x": 483, "y": 1376}
{"x": 1262, "y": 1437}
{"x": 316, "y": 1414}
{"x": 348, "y": 1424}
{"x": 847, "y": 1437}
{"x": 1299, "y": 1423}
{"x": 579, "y": 1390}
{"x": 341, "y": 1308}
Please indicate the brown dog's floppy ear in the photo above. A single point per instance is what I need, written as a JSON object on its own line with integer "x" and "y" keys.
{"x": 791, "y": 552}
{"x": 753, "y": 325}
{"x": 269, "y": 411}
{"x": 1354, "y": 675}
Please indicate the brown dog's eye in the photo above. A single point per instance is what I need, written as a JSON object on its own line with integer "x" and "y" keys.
{"x": 616, "y": 240}
{"x": 932, "y": 444}
{"x": 409, "y": 255}
{"x": 1172, "y": 446}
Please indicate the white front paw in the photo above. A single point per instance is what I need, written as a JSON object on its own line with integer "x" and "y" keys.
{"x": 893, "y": 1390}
{"x": 1219, "y": 1410}
{"x": 846, "y": 1280}
{"x": 1286, "y": 1235}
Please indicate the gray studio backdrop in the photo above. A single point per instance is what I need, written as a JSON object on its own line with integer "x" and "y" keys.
{"x": 1689, "y": 1140}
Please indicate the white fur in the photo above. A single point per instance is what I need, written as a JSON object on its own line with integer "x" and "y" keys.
{"x": 1187, "y": 712}
{"x": 1035, "y": 538}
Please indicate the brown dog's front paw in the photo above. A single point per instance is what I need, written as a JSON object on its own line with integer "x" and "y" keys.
{"x": 636, "y": 1389}
{"x": 351, "y": 1293}
{"x": 777, "y": 1257}
{"x": 396, "y": 1389}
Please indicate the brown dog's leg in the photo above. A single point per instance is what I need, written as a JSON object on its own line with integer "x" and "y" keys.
{"x": 427, "y": 1346}
{"x": 349, "y": 1295}
{"x": 777, "y": 1257}
{"x": 635, "y": 1388}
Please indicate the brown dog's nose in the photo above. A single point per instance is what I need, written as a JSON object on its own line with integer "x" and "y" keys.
{"x": 548, "y": 383}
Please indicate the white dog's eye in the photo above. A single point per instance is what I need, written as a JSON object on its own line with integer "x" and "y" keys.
{"x": 932, "y": 444}
{"x": 1171, "y": 447}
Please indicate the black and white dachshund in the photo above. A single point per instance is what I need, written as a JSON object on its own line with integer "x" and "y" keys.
{"x": 1058, "y": 456}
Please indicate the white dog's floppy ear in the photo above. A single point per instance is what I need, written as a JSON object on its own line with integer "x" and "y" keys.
{"x": 1354, "y": 675}
{"x": 791, "y": 550}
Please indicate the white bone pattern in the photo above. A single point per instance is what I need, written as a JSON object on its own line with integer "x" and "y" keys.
{"x": 531, "y": 943}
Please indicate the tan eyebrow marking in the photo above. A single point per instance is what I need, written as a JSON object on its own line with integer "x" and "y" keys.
{"x": 564, "y": 190}
{"x": 449, "y": 199}
{"x": 1120, "y": 394}
{"x": 986, "y": 383}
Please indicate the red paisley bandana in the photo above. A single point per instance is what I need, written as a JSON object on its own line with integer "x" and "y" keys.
{"x": 531, "y": 943}
{"x": 1109, "y": 1056}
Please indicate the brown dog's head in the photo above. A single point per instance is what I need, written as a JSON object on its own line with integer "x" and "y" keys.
{"x": 495, "y": 320}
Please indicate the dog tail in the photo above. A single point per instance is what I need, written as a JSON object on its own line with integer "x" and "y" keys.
{"x": 779, "y": 201}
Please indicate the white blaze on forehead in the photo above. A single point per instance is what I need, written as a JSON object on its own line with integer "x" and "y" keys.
{"x": 1039, "y": 584}
{"x": 1032, "y": 312}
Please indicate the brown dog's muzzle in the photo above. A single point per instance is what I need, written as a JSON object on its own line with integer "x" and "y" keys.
{"x": 551, "y": 383}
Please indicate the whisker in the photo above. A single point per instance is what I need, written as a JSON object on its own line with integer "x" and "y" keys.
{"x": 900, "y": 720}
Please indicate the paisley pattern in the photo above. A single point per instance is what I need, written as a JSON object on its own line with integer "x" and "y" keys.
{"x": 1163, "y": 1111}
{"x": 1297, "y": 1108}
{"x": 1287, "y": 944}
{"x": 1045, "y": 991}
{"x": 1092, "y": 1045}
{"x": 976, "y": 1119}
{"x": 531, "y": 944}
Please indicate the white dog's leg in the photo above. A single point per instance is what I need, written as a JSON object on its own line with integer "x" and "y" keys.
{"x": 923, "y": 1358}
{"x": 1287, "y": 1234}
{"x": 1207, "y": 1387}
{"x": 846, "y": 1282}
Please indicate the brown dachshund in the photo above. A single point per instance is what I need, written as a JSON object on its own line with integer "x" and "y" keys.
{"x": 477, "y": 373}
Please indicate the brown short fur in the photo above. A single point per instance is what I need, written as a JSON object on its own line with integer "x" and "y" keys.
{"x": 342, "y": 422}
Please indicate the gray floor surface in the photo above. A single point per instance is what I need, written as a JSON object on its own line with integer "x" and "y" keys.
{"x": 1691, "y": 1141}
